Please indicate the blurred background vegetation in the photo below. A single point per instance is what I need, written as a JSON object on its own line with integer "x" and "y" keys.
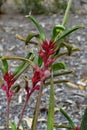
{"x": 41, "y": 6}
{"x": 37, "y": 6}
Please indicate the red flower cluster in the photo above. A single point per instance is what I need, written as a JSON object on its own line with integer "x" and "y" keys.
{"x": 78, "y": 128}
{"x": 40, "y": 74}
{"x": 8, "y": 77}
{"x": 36, "y": 78}
{"x": 46, "y": 51}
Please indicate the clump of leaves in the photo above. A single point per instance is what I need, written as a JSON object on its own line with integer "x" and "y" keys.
{"x": 46, "y": 69}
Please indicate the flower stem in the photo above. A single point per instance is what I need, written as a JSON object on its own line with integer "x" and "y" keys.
{"x": 67, "y": 12}
{"x": 22, "y": 112}
{"x": 7, "y": 115}
{"x": 37, "y": 108}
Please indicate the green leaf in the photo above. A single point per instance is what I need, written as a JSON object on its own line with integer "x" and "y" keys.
{"x": 84, "y": 121}
{"x": 68, "y": 32}
{"x": 58, "y": 66}
{"x": 69, "y": 47}
{"x": 18, "y": 69}
{"x": 13, "y": 125}
{"x": 50, "y": 120}
{"x": 35, "y": 60}
{"x": 23, "y": 125}
{"x": 5, "y": 64}
{"x": 57, "y": 82}
{"x": 38, "y": 60}
{"x": 30, "y": 36}
{"x": 66, "y": 52}
{"x": 40, "y": 29}
{"x": 68, "y": 118}
{"x": 57, "y": 30}
{"x": 63, "y": 73}
{"x": 25, "y": 67}
{"x": 63, "y": 126}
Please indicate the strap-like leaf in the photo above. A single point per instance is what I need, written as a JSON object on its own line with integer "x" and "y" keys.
{"x": 63, "y": 73}
{"x": 57, "y": 81}
{"x": 38, "y": 60}
{"x": 30, "y": 36}
{"x": 22, "y": 64}
{"x": 13, "y": 125}
{"x": 56, "y": 31}
{"x": 40, "y": 29}
{"x": 23, "y": 128}
{"x": 55, "y": 74}
{"x": 66, "y": 52}
{"x": 67, "y": 117}
{"x": 58, "y": 66}
{"x": 63, "y": 44}
{"x": 68, "y": 32}
{"x": 84, "y": 121}
{"x": 18, "y": 58}
{"x": 50, "y": 121}
{"x": 69, "y": 47}
{"x": 63, "y": 126}
{"x": 5, "y": 64}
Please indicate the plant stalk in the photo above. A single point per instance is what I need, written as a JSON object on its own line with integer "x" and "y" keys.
{"x": 22, "y": 112}
{"x": 50, "y": 120}
{"x": 7, "y": 114}
{"x": 67, "y": 12}
{"x": 37, "y": 107}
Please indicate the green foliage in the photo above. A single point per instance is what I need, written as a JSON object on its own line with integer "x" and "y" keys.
{"x": 84, "y": 121}
{"x": 58, "y": 66}
{"x": 57, "y": 30}
{"x": 44, "y": 70}
{"x": 13, "y": 125}
{"x": 68, "y": 32}
{"x": 68, "y": 118}
{"x": 38, "y": 60}
{"x": 30, "y": 36}
{"x": 18, "y": 69}
{"x": 5, "y": 65}
{"x": 39, "y": 27}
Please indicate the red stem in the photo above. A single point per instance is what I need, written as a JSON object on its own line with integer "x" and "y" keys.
{"x": 22, "y": 112}
{"x": 7, "y": 115}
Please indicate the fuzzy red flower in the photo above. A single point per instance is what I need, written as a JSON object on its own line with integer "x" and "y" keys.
{"x": 47, "y": 49}
{"x": 8, "y": 77}
{"x": 40, "y": 74}
{"x": 36, "y": 78}
{"x": 78, "y": 128}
